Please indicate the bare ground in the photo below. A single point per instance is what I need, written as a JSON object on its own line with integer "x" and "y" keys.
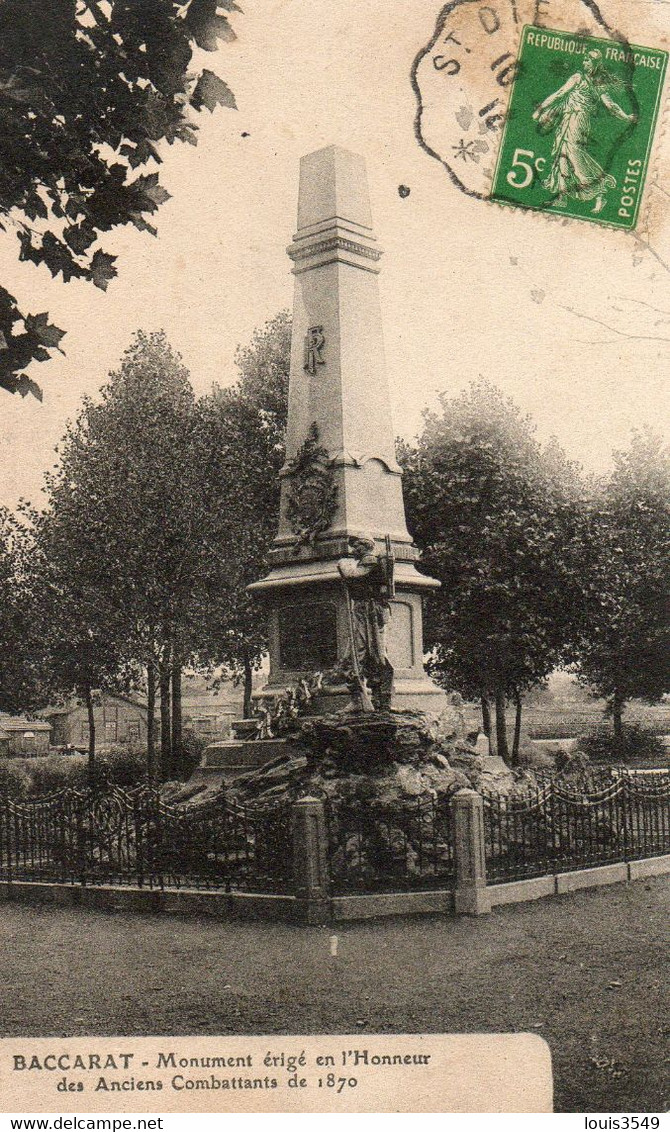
{"x": 587, "y": 971}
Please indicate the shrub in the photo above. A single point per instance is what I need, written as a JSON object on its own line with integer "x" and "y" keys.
{"x": 636, "y": 743}
{"x": 572, "y": 763}
{"x": 122, "y": 766}
{"x": 14, "y": 779}
{"x": 193, "y": 746}
{"x": 23, "y": 778}
{"x": 58, "y": 772}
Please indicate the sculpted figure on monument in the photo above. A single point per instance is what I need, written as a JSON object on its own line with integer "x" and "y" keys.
{"x": 368, "y": 583}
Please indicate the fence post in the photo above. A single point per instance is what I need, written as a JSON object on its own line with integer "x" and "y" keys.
{"x": 311, "y": 879}
{"x": 471, "y": 896}
{"x": 6, "y": 815}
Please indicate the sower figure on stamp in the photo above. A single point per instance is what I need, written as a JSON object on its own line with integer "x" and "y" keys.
{"x": 570, "y": 112}
{"x": 369, "y": 587}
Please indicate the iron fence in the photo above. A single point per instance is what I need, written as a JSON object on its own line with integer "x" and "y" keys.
{"x": 401, "y": 847}
{"x": 560, "y": 826}
{"x": 134, "y": 838}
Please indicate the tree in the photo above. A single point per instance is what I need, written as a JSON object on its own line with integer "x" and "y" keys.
{"x": 498, "y": 521}
{"x": 20, "y": 669}
{"x": 243, "y": 436}
{"x": 51, "y": 644}
{"x": 80, "y": 639}
{"x": 624, "y": 649}
{"x": 88, "y": 91}
{"x": 124, "y": 520}
{"x": 160, "y": 511}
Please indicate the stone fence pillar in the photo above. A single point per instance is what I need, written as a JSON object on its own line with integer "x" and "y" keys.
{"x": 311, "y": 875}
{"x": 471, "y": 896}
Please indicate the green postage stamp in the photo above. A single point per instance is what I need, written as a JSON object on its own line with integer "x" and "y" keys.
{"x": 580, "y": 126}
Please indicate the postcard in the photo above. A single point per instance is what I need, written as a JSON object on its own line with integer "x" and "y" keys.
{"x": 334, "y": 494}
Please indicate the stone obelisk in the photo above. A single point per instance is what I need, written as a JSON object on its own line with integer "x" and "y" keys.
{"x": 341, "y": 479}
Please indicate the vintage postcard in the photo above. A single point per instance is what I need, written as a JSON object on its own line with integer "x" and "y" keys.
{"x": 334, "y": 556}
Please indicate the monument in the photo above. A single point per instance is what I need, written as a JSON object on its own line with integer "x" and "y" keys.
{"x": 343, "y": 593}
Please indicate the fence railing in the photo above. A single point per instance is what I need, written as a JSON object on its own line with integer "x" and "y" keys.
{"x": 312, "y": 850}
{"x": 558, "y": 826}
{"x": 134, "y": 838}
{"x": 373, "y": 848}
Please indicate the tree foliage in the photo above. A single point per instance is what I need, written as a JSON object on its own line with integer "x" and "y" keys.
{"x": 243, "y": 429}
{"x": 78, "y": 635}
{"x": 624, "y": 649}
{"x": 118, "y": 498}
{"x": 498, "y": 520}
{"x": 88, "y": 91}
{"x": 20, "y": 666}
{"x": 160, "y": 512}
{"x": 122, "y": 529}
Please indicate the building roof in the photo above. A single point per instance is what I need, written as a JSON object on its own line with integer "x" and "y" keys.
{"x": 196, "y": 696}
{"x": 12, "y": 723}
{"x": 75, "y": 704}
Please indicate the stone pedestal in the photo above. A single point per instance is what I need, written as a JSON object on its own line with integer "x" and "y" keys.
{"x": 339, "y": 404}
{"x": 309, "y": 631}
{"x": 226, "y": 760}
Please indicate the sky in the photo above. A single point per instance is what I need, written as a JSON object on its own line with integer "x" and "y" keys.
{"x": 570, "y": 320}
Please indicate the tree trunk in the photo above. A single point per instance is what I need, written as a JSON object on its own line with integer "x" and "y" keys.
{"x": 177, "y": 728}
{"x": 88, "y": 697}
{"x": 151, "y": 720}
{"x": 166, "y": 738}
{"x": 248, "y": 684}
{"x": 617, "y": 713}
{"x": 486, "y": 718}
{"x": 517, "y": 729}
{"x": 501, "y": 725}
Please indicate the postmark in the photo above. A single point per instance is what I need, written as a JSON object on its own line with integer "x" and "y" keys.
{"x": 580, "y": 126}
{"x": 464, "y": 76}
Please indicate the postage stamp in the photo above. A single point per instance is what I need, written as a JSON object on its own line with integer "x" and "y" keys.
{"x": 463, "y": 75}
{"x": 580, "y": 126}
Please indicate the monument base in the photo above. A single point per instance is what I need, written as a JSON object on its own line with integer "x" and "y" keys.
{"x": 226, "y": 760}
{"x": 418, "y": 695}
{"x": 408, "y": 695}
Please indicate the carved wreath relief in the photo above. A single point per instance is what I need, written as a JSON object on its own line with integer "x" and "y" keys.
{"x": 312, "y": 496}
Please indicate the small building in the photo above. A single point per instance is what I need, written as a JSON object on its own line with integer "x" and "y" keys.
{"x": 122, "y": 720}
{"x": 23, "y": 738}
{"x": 119, "y": 721}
